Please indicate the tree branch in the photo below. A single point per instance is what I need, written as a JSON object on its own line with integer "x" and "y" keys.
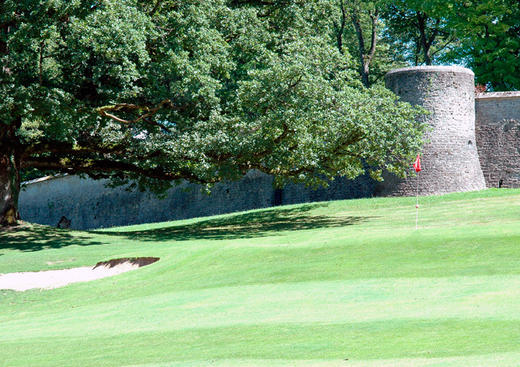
{"x": 106, "y": 111}
{"x": 59, "y": 147}
{"x": 365, "y": 64}
{"x": 40, "y": 62}
{"x": 341, "y": 28}
{"x": 104, "y": 168}
{"x": 374, "y": 17}
{"x": 156, "y": 7}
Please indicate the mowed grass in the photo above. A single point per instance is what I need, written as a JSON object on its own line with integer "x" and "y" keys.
{"x": 345, "y": 283}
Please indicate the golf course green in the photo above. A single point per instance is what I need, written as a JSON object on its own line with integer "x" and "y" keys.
{"x": 344, "y": 283}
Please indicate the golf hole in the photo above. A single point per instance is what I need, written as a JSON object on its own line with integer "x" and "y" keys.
{"x": 50, "y": 279}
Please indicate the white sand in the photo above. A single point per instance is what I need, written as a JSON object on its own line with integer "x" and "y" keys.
{"x": 50, "y": 279}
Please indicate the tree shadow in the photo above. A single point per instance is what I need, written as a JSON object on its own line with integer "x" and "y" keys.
{"x": 239, "y": 226}
{"x": 248, "y": 225}
{"x": 35, "y": 238}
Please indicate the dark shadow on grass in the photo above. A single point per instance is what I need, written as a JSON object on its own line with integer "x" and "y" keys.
{"x": 36, "y": 238}
{"x": 248, "y": 225}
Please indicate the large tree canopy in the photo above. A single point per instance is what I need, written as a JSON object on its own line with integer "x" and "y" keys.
{"x": 161, "y": 91}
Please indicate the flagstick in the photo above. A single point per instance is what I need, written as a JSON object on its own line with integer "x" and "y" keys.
{"x": 417, "y": 203}
{"x": 417, "y": 167}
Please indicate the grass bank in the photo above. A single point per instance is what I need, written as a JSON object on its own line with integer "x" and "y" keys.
{"x": 345, "y": 283}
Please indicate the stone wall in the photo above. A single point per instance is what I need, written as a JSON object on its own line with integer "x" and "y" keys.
{"x": 498, "y": 137}
{"x": 89, "y": 204}
{"x": 449, "y": 158}
{"x": 450, "y": 162}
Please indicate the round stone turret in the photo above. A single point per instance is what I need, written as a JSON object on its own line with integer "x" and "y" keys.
{"x": 449, "y": 159}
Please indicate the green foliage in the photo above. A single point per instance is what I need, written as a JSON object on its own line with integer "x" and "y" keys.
{"x": 419, "y": 31}
{"x": 368, "y": 14}
{"x": 483, "y": 35}
{"x": 490, "y": 41}
{"x": 197, "y": 90}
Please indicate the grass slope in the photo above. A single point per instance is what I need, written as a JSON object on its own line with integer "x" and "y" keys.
{"x": 346, "y": 283}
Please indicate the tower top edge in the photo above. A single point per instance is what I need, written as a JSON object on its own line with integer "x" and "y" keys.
{"x": 497, "y": 95}
{"x": 432, "y": 69}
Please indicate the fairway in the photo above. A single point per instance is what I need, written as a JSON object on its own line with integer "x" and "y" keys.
{"x": 344, "y": 283}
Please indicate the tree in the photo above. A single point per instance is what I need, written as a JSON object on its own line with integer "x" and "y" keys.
{"x": 358, "y": 28}
{"x": 420, "y": 30}
{"x": 163, "y": 91}
{"x": 490, "y": 40}
{"x": 353, "y": 12}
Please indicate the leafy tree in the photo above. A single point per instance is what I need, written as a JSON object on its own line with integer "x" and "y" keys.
{"x": 420, "y": 30}
{"x": 490, "y": 40}
{"x": 481, "y": 34}
{"x": 358, "y": 28}
{"x": 162, "y": 91}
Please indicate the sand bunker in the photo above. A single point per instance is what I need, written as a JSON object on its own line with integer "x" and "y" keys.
{"x": 50, "y": 279}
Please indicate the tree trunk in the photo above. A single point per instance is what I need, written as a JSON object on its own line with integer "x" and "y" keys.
{"x": 425, "y": 42}
{"x": 365, "y": 72}
{"x": 426, "y": 53}
{"x": 9, "y": 188}
{"x": 365, "y": 57}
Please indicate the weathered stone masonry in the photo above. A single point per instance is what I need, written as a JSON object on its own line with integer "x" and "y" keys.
{"x": 449, "y": 158}
{"x": 89, "y": 204}
{"x": 498, "y": 137}
{"x": 463, "y": 153}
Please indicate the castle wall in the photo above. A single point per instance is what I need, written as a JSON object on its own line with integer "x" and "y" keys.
{"x": 450, "y": 162}
{"x": 89, "y": 204}
{"x": 498, "y": 137}
{"x": 449, "y": 158}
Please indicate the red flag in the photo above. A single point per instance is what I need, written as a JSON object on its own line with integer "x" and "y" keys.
{"x": 417, "y": 164}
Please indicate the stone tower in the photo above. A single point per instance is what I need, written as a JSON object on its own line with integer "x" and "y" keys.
{"x": 449, "y": 158}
